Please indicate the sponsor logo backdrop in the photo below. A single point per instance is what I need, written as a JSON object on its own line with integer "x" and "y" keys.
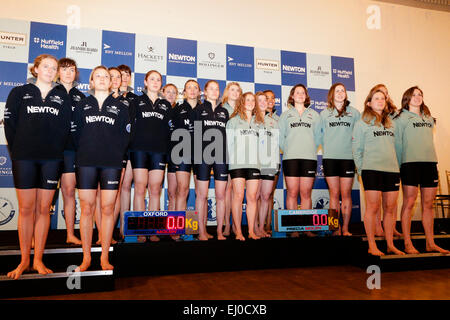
{"x": 256, "y": 69}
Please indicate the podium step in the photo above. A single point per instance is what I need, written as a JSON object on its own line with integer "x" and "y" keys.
{"x": 34, "y": 284}
{"x": 391, "y": 262}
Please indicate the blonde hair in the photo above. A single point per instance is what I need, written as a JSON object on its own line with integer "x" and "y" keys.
{"x": 91, "y": 77}
{"x": 227, "y": 88}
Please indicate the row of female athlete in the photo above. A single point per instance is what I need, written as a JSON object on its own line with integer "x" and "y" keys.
{"x": 100, "y": 144}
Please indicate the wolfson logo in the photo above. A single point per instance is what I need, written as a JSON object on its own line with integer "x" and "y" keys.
{"x": 17, "y": 39}
{"x": 422, "y": 124}
{"x": 181, "y": 58}
{"x": 294, "y": 69}
{"x": 105, "y": 119}
{"x": 264, "y": 64}
{"x": 300, "y": 124}
{"x": 83, "y": 48}
{"x": 37, "y": 109}
{"x": 383, "y": 133}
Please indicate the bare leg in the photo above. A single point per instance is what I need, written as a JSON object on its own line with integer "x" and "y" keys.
{"x": 172, "y": 190}
{"x": 236, "y": 206}
{"x": 346, "y": 206}
{"x": 108, "y": 200}
{"x": 125, "y": 194}
{"x": 155, "y": 180}
{"x": 252, "y": 189}
{"x": 372, "y": 207}
{"x": 389, "y": 205}
{"x": 68, "y": 183}
{"x": 42, "y": 224}
{"x": 220, "y": 187}
{"x": 409, "y": 199}
{"x": 334, "y": 190}
{"x": 306, "y": 185}
{"x": 293, "y": 189}
{"x": 87, "y": 202}
{"x": 428, "y": 195}
{"x": 98, "y": 216}
{"x": 228, "y": 195}
{"x": 27, "y": 207}
{"x": 201, "y": 190}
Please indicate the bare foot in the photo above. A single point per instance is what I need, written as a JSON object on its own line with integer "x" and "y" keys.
{"x": 209, "y": 236}
{"x": 295, "y": 235}
{"x": 240, "y": 237}
{"x": 106, "y": 265}
{"x": 397, "y": 234}
{"x": 154, "y": 238}
{"x": 73, "y": 240}
{"x": 41, "y": 268}
{"x": 436, "y": 248}
{"x": 84, "y": 265}
{"x": 141, "y": 239}
{"x": 253, "y": 236}
{"x": 259, "y": 233}
{"x": 375, "y": 252}
{"x": 99, "y": 242}
{"x": 203, "y": 237}
{"x": 337, "y": 233}
{"x": 310, "y": 234}
{"x": 346, "y": 234}
{"x": 113, "y": 241}
{"x": 409, "y": 249}
{"x": 16, "y": 273}
{"x": 226, "y": 232}
{"x": 175, "y": 237}
{"x": 379, "y": 233}
{"x": 220, "y": 236}
{"x": 394, "y": 250}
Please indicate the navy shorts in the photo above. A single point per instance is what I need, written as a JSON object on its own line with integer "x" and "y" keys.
{"x": 299, "y": 168}
{"x": 424, "y": 174}
{"x": 69, "y": 161}
{"x": 380, "y": 180}
{"x": 148, "y": 160}
{"x": 41, "y": 174}
{"x": 89, "y": 178}
{"x": 203, "y": 171}
{"x": 171, "y": 167}
{"x": 338, "y": 168}
{"x": 247, "y": 174}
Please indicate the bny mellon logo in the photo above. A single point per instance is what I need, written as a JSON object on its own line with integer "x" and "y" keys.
{"x": 105, "y": 46}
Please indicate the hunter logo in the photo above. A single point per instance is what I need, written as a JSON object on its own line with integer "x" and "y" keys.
{"x": 211, "y": 55}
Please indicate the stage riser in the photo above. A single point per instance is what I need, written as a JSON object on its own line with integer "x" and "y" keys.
{"x": 220, "y": 256}
{"x": 45, "y": 287}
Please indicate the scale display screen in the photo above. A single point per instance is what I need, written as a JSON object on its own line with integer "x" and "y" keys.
{"x": 306, "y": 220}
{"x": 142, "y": 223}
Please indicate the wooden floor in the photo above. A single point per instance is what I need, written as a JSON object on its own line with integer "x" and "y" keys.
{"x": 335, "y": 283}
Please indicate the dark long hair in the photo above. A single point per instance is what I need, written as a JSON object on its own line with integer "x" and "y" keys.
{"x": 291, "y": 95}
{"x": 406, "y": 99}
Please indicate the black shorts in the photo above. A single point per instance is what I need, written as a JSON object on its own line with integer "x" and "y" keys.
{"x": 338, "y": 168}
{"x": 148, "y": 160}
{"x": 171, "y": 167}
{"x": 69, "y": 161}
{"x": 247, "y": 174}
{"x": 380, "y": 180}
{"x": 424, "y": 174}
{"x": 203, "y": 171}
{"x": 125, "y": 160}
{"x": 41, "y": 174}
{"x": 183, "y": 167}
{"x": 269, "y": 174}
{"x": 90, "y": 177}
{"x": 299, "y": 168}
